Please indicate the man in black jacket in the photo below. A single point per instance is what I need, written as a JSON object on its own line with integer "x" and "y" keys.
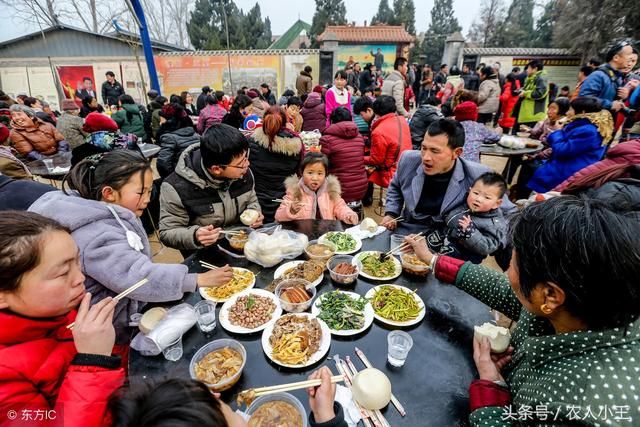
{"x": 267, "y": 94}
{"x": 201, "y": 102}
{"x": 111, "y": 90}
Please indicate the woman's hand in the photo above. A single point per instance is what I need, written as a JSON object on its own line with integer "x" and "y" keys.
{"x": 216, "y": 277}
{"x": 321, "y": 398}
{"x": 93, "y": 332}
{"x": 489, "y": 365}
{"x": 207, "y": 235}
{"x": 258, "y": 222}
{"x": 419, "y": 246}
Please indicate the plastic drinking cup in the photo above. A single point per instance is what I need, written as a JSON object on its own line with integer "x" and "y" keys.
{"x": 399, "y": 343}
{"x": 206, "y": 315}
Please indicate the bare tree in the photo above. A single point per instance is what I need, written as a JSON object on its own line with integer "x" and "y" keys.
{"x": 42, "y": 12}
{"x": 483, "y": 31}
{"x": 168, "y": 21}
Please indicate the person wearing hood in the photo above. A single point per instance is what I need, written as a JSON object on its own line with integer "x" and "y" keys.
{"x": 343, "y": 145}
{"x": 70, "y": 124}
{"x": 534, "y": 96}
{"x": 268, "y": 96}
{"x": 395, "y": 84}
{"x": 259, "y": 105}
{"x": 313, "y": 113}
{"x": 129, "y": 118}
{"x": 304, "y": 82}
{"x": 109, "y": 192}
{"x": 209, "y": 189}
{"x": 175, "y": 135}
{"x": 488, "y": 95}
{"x": 32, "y": 137}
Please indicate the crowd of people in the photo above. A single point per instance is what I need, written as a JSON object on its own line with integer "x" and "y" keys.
{"x": 66, "y": 254}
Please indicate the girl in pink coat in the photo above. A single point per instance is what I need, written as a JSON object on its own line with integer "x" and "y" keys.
{"x": 337, "y": 95}
{"x": 314, "y": 196}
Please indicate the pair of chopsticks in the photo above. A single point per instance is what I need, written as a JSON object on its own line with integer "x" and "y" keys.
{"x": 209, "y": 266}
{"x": 263, "y": 391}
{"x": 396, "y": 220}
{"x": 230, "y": 232}
{"x": 394, "y": 399}
{"x": 286, "y": 201}
{"x": 403, "y": 245}
{"x": 121, "y": 295}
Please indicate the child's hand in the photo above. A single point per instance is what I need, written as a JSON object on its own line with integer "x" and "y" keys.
{"x": 464, "y": 222}
{"x": 352, "y": 219}
{"x": 216, "y": 277}
{"x": 295, "y": 206}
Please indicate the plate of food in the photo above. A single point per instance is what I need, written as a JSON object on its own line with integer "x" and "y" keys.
{"x": 345, "y": 313}
{"x": 345, "y": 243}
{"x": 243, "y": 279}
{"x": 219, "y": 364}
{"x": 249, "y": 311}
{"x": 376, "y": 269}
{"x": 310, "y": 271}
{"x": 296, "y": 340}
{"x": 396, "y": 305}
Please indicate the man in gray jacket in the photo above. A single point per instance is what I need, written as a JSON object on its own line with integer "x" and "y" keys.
{"x": 210, "y": 188}
{"x": 395, "y": 84}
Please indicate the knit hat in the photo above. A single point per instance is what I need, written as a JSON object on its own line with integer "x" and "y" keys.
{"x": 4, "y": 133}
{"x": 466, "y": 111}
{"x": 318, "y": 89}
{"x": 69, "y": 105}
{"x": 19, "y": 107}
{"x": 251, "y": 93}
{"x": 96, "y": 122}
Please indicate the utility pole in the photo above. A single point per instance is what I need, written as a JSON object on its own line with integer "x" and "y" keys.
{"x": 226, "y": 27}
{"x": 135, "y": 6}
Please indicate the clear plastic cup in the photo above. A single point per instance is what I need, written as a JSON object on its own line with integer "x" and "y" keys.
{"x": 48, "y": 163}
{"x": 396, "y": 240}
{"x": 399, "y": 343}
{"x": 206, "y": 315}
{"x": 170, "y": 342}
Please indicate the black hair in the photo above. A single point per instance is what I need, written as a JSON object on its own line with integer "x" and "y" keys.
{"x": 112, "y": 169}
{"x": 595, "y": 61}
{"x": 175, "y": 99}
{"x": 240, "y": 92}
{"x": 515, "y": 70}
{"x": 451, "y": 128}
{"x": 399, "y": 62}
{"x": 311, "y": 158}
{"x": 493, "y": 179}
{"x": 454, "y": 71}
{"x": 126, "y": 99}
{"x": 30, "y": 101}
{"x": 586, "y": 70}
{"x": 384, "y": 104}
{"x": 536, "y": 63}
{"x": 221, "y": 144}
{"x": 566, "y": 88}
{"x": 109, "y": 73}
{"x": 341, "y": 73}
{"x": 340, "y": 114}
{"x": 206, "y": 89}
{"x": 487, "y": 71}
{"x": 616, "y": 48}
{"x": 183, "y": 97}
{"x": 443, "y": 66}
{"x": 161, "y": 100}
{"x": 241, "y": 101}
{"x": 362, "y": 104}
{"x": 219, "y": 94}
{"x": 152, "y": 94}
{"x": 586, "y": 104}
{"x": 308, "y": 69}
{"x": 567, "y": 240}
{"x": 173, "y": 402}
{"x": 369, "y": 89}
{"x": 87, "y": 78}
{"x": 563, "y": 104}
{"x": 264, "y": 85}
{"x": 294, "y": 100}
{"x": 211, "y": 100}
{"x": 86, "y": 101}
{"x": 288, "y": 93}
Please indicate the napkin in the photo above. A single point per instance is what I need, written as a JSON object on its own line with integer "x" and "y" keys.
{"x": 351, "y": 412}
{"x": 356, "y": 231}
{"x": 179, "y": 319}
{"x": 59, "y": 169}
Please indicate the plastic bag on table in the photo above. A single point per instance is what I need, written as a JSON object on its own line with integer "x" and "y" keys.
{"x": 268, "y": 250}
{"x": 179, "y": 319}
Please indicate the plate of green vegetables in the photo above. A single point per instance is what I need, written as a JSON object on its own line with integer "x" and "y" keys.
{"x": 396, "y": 305}
{"x": 376, "y": 268}
{"x": 345, "y": 243}
{"x": 345, "y": 313}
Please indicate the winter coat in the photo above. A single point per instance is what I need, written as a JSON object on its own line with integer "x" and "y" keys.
{"x": 603, "y": 83}
{"x": 577, "y": 145}
{"x": 235, "y": 119}
{"x": 210, "y": 115}
{"x": 366, "y": 80}
{"x": 19, "y": 194}
{"x": 451, "y": 87}
{"x": 471, "y": 81}
{"x": 270, "y": 99}
{"x": 335, "y": 98}
{"x": 420, "y": 122}
{"x": 201, "y": 101}
{"x": 130, "y": 120}
{"x": 507, "y": 102}
{"x": 191, "y": 109}
{"x": 191, "y": 198}
{"x": 172, "y": 144}
{"x": 394, "y": 86}
{"x": 70, "y": 126}
{"x": 622, "y": 192}
{"x": 476, "y": 134}
{"x": 344, "y": 147}
{"x": 43, "y": 138}
{"x": 390, "y": 136}
{"x": 42, "y": 371}
{"x": 313, "y": 113}
{"x": 304, "y": 83}
{"x": 109, "y": 263}
{"x": 111, "y": 92}
{"x": 543, "y": 128}
{"x": 11, "y": 166}
{"x": 489, "y": 95}
{"x": 487, "y": 234}
{"x": 327, "y": 199}
{"x": 259, "y": 107}
{"x": 533, "y": 106}
{"x": 271, "y": 164}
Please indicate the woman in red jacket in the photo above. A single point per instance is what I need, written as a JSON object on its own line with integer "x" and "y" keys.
{"x": 390, "y": 136}
{"x": 508, "y": 100}
{"x": 51, "y": 375}
{"x": 344, "y": 147}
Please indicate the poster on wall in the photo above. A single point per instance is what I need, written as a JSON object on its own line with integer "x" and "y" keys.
{"x": 382, "y": 55}
{"x": 77, "y": 81}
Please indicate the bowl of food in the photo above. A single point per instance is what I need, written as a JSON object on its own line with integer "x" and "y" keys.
{"x": 219, "y": 364}
{"x": 343, "y": 270}
{"x": 295, "y": 295}
{"x": 238, "y": 237}
{"x": 523, "y": 134}
{"x": 411, "y": 264}
{"x": 320, "y": 252}
{"x": 280, "y": 409}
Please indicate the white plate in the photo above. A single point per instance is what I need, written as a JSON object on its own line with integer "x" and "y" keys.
{"x": 372, "y": 291}
{"x": 368, "y": 315}
{"x": 224, "y": 312}
{"x": 315, "y": 357}
{"x": 397, "y": 263}
{"x": 356, "y": 238}
{"x": 291, "y": 264}
{"x": 205, "y": 295}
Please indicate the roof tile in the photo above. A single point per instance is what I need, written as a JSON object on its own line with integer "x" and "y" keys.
{"x": 375, "y": 33}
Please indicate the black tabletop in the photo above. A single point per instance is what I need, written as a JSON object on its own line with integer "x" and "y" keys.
{"x": 432, "y": 385}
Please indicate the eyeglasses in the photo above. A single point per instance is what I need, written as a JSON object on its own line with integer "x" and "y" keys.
{"x": 243, "y": 162}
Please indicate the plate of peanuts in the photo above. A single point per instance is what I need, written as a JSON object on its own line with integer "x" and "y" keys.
{"x": 249, "y": 311}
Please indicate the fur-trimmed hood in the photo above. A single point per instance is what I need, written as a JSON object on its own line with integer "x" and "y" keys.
{"x": 287, "y": 145}
{"x": 331, "y": 185}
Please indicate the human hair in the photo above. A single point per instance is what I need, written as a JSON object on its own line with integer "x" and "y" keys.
{"x": 112, "y": 169}
{"x": 537, "y": 64}
{"x": 614, "y": 48}
{"x": 30, "y": 101}
{"x": 493, "y": 179}
{"x": 264, "y": 85}
{"x": 211, "y": 100}
{"x": 563, "y": 104}
{"x": 565, "y": 88}
{"x": 511, "y": 78}
{"x": 586, "y": 104}
{"x": 567, "y": 241}
{"x": 294, "y": 100}
{"x": 443, "y": 66}
{"x": 273, "y": 120}
{"x": 161, "y": 100}
{"x": 173, "y": 402}
{"x": 183, "y": 97}
{"x": 241, "y": 101}
{"x": 221, "y": 144}
{"x": 311, "y": 158}
{"x": 240, "y": 92}
{"x": 363, "y": 103}
{"x": 175, "y": 99}
{"x": 308, "y": 68}
{"x": 515, "y": 70}
{"x": 595, "y": 62}
{"x": 219, "y": 94}
{"x": 110, "y": 74}
{"x": 206, "y": 89}
{"x": 586, "y": 70}
{"x": 15, "y": 108}
{"x": 454, "y": 71}
{"x": 126, "y": 99}
{"x": 384, "y": 104}
{"x": 21, "y": 238}
{"x": 487, "y": 71}
{"x": 340, "y": 73}
{"x": 449, "y": 127}
{"x": 340, "y": 114}
{"x": 152, "y": 94}
{"x": 288, "y": 93}
{"x": 84, "y": 79}
{"x": 399, "y": 62}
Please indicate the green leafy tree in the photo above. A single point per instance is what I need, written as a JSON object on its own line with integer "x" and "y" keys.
{"x": 328, "y": 12}
{"x": 543, "y": 35}
{"x": 517, "y": 28}
{"x": 443, "y": 23}
{"x": 384, "y": 14}
{"x": 405, "y": 13}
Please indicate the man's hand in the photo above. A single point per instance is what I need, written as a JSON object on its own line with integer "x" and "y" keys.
{"x": 321, "y": 398}
{"x": 207, "y": 235}
{"x": 389, "y": 222}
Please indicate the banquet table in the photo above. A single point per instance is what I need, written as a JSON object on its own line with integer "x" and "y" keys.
{"x": 432, "y": 385}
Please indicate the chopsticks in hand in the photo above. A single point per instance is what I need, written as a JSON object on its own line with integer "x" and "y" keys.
{"x": 209, "y": 266}
{"x": 396, "y": 220}
{"x": 262, "y": 391}
{"x": 403, "y": 245}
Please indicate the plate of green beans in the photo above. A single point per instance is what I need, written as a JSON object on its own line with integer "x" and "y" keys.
{"x": 396, "y": 305}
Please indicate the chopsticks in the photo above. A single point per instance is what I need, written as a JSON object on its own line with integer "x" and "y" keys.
{"x": 348, "y": 380}
{"x": 396, "y": 220}
{"x": 121, "y": 295}
{"x": 286, "y": 201}
{"x": 262, "y": 391}
{"x": 394, "y": 399}
{"x": 209, "y": 266}
{"x": 231, "y": 232}
{"x": 404, "y": 245}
